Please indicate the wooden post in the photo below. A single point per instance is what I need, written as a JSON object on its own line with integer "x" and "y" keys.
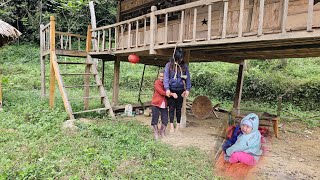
{"x": 52, "y": 54}
{"x": 240, "y": 29}
{"x": 181, "y": 27}
{"x": 194, "y": 29}
{"x": 110, "y": 44}
{"x": 98, "y": 42}
{"x": 225, "y": 18}
{"x": 137, "y": 33}
{"x": 183, "y": 122}
{"x": 87, "y": 70}
{"x": 42, "y": 59}
{"x": 103, "y": 40}
{"x": 103, "y": 69}
{"x": 261, "y": 14}
{"x": 284, "y": 16}
{"x": 122, "y": 37}
{"x": 93, "y": 23}
{"x": 166, "y": 30}
{"x": 209, "y": 21}
{"x": 237, "y": 99}
{"x": 129, "y": 35}
{"x": 310, "y": 15}
{"x": 153, "y": 29}
{"x": 116, "y": 77}
{"x": 115, "y": 38}
{"x": 145, "y": 32}
{"x": 0, "y": 92}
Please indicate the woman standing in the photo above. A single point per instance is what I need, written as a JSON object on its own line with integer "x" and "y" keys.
{"x": 176, "y": 80}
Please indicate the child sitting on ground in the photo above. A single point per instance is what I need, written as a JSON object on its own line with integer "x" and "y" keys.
{"x": 247, "y": 148}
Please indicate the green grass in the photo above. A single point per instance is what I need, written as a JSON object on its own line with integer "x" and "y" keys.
{"x": 33, "y": 144}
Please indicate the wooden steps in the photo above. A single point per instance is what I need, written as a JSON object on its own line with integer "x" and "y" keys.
{"x": 78, "y": 86}
{"x": 90, "y": 70}
{"x": 91, "y": 110}
{"x": 61, "y": 62}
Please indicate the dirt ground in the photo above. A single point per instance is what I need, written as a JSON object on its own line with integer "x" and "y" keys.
{"x": 294, "y": 155}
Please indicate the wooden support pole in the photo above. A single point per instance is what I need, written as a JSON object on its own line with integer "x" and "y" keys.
{"x": 93, "y": 23}
{"x": 61, "y": 41}
{"x": 137, "y": 33}
{"x": 284, "y": 16}
{"x": 240, "y": 25}
{"x": 98, "y": 42}
{"x": 145, "y": 32}
{"x": 87, "y": 70}
{"x": 237, "y": 99}
{"x": 166, "y": 30}
{"x": 103, "y": 70}
{"x": 115, "y": 38}
{"x": 122, "y": 37}
{"x": 42, "y": 63}
{"x": 110, "y": 39}
{"x": 183, "y": 122}
{"x": 194, "y": 29}
{"x": 181, "y": 27}
{"x": 209, "y": 21}
{"x": 310, "y": 15}
{"x": 153, "y": 29}
{"x": 225, "y": 19}
{"x": 116, "y": 78}
{"x": 70, "y": 47}
{"x": 129, "y": 35}
{"x": 79, "y": 44}
{"x": 103, "y": 40}
{"x": 52, "y": 54}
{"x": 261, "y": 15}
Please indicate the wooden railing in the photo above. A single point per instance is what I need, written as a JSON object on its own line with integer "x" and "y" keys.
{"x": 143, "y": 32}
{"x": 67, "y": 41}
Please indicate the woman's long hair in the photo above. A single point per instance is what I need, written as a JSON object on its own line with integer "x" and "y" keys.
{"x": 178, "y": 58}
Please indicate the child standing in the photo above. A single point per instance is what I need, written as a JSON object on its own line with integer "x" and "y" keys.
{"x": 159, "y": 106}
{"x": 247, "y": 148}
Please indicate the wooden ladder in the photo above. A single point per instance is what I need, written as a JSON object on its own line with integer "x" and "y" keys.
{"x": 90, "y": 69}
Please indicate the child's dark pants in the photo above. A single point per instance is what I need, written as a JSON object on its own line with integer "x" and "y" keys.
{"x": 155, "y": 115}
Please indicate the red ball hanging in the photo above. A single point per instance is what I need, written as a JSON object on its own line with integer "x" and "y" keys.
{"x": 133, "y": 58}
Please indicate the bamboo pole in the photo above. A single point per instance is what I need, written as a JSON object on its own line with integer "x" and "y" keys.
{"x": 52, "y": 54}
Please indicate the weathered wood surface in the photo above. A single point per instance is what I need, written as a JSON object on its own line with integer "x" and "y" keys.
{"x": 52, "y": 54}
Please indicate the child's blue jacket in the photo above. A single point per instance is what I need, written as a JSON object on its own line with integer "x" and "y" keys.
{"x": 248, "y": 143}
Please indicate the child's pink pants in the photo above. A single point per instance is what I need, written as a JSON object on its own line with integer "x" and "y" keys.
{"x": 242, "y": 157}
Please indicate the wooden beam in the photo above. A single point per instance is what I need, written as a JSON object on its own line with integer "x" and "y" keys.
{"x": 181, "y": 27}
{"x": 194, "y": 29}
{"x": 310, "y": 15}
{"x": 261, "y": 15}
{"x": 116, "y": 80}
{"x": 284, "y": 16}
{"x": 240, "y": 25}
{"x": 237, "y": 99}
{"x": 42, "y": 62}
{"x": 109, "y": 36}
{"x": 183, "y": 122}
{"x": 209, "y": 21}
{"x": 71, "y": 53}
{"x": 61, "y": 87}
{"x": 166, "y": 30}
{"x": 153, "y": 28}
{"x": 52, "y": 54}
{"x": 225, "y": 19}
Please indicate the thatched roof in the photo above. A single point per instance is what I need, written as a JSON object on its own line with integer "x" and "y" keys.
{"x": 7, "y": 33}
